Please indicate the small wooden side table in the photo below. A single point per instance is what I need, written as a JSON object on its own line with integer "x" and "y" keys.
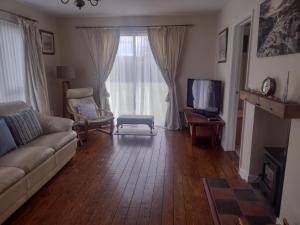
{"x": 201, "y": 126}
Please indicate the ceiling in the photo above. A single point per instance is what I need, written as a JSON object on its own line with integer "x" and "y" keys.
{"x": 129, "y": 7}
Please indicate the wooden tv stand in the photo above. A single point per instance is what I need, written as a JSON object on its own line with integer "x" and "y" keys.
{"x": 201, "y": 126}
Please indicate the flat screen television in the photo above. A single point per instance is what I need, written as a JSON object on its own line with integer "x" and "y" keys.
{"x": 204, "y": 96}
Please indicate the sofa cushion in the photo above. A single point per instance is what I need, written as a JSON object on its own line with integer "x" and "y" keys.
{"x": 26, "y": 158}
{"x": 55, "y": 140}
{"x": 9, "y": 176}
{"x": 7, "y": 142}
{"x": 88, "y": 110}
{"x": 24, "y": 126}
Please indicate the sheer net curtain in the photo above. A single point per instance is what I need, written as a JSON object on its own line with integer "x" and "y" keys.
{"x": 136, "y": 85}
{"x": 36, "y": 81}
{"x": 12, "y": 87}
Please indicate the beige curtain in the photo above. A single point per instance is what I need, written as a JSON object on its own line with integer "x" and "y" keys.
{"x": 103, "y": 47}
{"x": 167, "y": 44}
{"x": 35, "y": 75}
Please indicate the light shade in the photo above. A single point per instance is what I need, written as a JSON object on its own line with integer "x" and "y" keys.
{"x": 65, "y": 72}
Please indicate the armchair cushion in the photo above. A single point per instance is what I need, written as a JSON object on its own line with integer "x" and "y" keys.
{"x": 74, "y": 103}
{"x": 51, "y": 124}
{"x": 88, "y": 110}
{"x": 24, "y": 126}
{"x": 78, "y": 93}
{"x": 101, "y": 120}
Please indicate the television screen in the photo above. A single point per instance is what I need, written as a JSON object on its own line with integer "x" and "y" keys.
{"x": 204, "y": 95}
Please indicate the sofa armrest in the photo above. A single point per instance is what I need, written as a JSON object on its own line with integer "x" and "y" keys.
{"x": 51, "y": 124}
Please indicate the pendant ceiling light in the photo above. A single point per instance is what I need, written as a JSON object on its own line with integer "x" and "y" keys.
{"x": 81, "y": 3}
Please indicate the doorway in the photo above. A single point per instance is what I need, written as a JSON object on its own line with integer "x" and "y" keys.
{"x": 239, "y": 81}
{"x": 242, "y": 81}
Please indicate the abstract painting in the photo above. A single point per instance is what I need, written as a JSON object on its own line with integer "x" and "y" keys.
{"x": 279, "y": 28}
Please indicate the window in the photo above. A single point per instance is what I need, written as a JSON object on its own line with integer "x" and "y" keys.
{"x": 12, "y": 66}
{"x": 136, "y": 85}
{"x": 128, "y": 47}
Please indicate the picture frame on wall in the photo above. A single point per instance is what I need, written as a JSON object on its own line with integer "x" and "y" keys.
{"x": 223, "y": 42}
{"x": 279, "y": 25}
{"x": 48, "y": 43}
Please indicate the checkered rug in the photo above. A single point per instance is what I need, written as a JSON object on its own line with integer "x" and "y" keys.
{"x": 230, "y": 200}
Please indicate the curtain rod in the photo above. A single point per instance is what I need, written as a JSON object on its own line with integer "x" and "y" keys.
{"x": 18, "y": 15}
{"x": 108, "y": 27}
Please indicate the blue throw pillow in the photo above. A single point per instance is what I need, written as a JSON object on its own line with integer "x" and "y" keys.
{"x": 24, "y": 126}
{"x": 7, "y": 142}
{"x": 88, "y": 110}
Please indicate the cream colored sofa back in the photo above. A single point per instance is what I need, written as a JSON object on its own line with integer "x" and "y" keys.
{"x": 12, "y": 107}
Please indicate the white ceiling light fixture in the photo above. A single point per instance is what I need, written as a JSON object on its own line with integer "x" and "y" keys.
{"x": 81, "y": 3}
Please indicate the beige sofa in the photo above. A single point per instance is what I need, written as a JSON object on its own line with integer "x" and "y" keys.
{"x": 25, "y": 170}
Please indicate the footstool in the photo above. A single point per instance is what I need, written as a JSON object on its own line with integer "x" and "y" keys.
{"x": 135, "y": 120}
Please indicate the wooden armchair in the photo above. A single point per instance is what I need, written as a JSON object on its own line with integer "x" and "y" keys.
{"x": 104, "y": 121}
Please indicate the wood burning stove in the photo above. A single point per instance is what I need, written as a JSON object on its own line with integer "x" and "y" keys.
{"x": 273, "y": 176}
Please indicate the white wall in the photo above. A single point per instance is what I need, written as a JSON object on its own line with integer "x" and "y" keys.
{"x": 233, "y": 13}
{"x": 198, "y": 60}
{"x": 48, "y": 23}
{"x": 290, "y": 206}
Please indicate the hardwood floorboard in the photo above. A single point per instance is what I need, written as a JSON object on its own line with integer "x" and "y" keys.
{"x": 157, "y": 197}
{"x": 134, "y": 205}
{"x": 97, "y": 191}
{"x": 130, "y": 180}
{"x": 113, "y": 191}
{"x": 146, "y": 201}
{"x": 118, "y": 215}
{"x": 168, "y": 194}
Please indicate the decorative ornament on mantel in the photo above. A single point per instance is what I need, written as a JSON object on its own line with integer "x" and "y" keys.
{"x": 286, "y": 89}
{"x": 268, "y": 87}
{"x": 81, "y": 3}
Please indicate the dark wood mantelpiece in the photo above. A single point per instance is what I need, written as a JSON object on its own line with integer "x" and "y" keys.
{"x": 288, "y": 110}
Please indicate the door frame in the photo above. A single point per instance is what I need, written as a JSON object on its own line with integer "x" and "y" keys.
{"x": 235, "y": 79}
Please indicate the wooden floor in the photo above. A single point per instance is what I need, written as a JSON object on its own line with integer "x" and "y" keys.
{"x": 130, "y": 180}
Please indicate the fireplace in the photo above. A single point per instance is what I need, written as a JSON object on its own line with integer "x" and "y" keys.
{"x": 273, "y": 176}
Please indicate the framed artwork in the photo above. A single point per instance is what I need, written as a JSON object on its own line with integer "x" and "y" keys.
{"x": 223, "y": 41}
{"x": 48, "y": 44}
{"x": 279, "y": 27}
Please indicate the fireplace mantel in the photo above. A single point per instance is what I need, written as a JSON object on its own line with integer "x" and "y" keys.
{"x": 288, "y": 110}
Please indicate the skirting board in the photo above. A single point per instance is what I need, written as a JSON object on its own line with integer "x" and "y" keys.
{"x": 246, "y": 176}
{"x": 279, "y": 221}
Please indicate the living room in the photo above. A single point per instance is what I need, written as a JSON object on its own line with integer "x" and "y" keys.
{"x": 110, "y": 172}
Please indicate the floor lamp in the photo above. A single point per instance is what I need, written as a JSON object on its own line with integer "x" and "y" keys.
{"x": 65, "y": 73}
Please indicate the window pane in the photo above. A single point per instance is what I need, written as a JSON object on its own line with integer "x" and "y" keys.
{"x": 126, "y": 46}
{"x": 12, "y": 68}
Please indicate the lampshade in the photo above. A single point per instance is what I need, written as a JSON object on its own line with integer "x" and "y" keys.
{"x": 65, "y": 72}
